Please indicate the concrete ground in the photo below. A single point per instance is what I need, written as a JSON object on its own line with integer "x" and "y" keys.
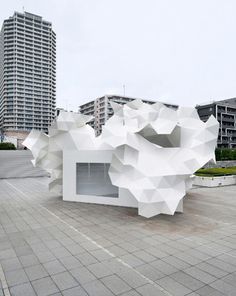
{"x": 51, "y": 247}
{"x": 17, "y": 164}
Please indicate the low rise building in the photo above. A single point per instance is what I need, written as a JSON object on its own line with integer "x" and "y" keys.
{"x": 225, "y": 112}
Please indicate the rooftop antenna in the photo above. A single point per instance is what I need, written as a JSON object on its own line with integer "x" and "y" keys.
{"x": 124, "y": 89}
{"x": 23, "y": 8}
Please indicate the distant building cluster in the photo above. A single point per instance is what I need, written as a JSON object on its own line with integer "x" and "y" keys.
{"x": 28, "y": 85}
{"x": 101, "y": 109}
{"x": 225, "y": 112}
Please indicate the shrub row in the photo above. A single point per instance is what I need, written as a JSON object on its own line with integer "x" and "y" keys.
{"x": 7, "y": 146}
{"x": 216, "y": 172}
{"x": 225, "y": 154}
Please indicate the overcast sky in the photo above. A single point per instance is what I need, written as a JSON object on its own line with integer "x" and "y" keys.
{"x": 182, "y": 52}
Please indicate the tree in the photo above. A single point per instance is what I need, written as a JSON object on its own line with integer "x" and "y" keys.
{"x": 7, "y": 146}
{"x": 233, "y": 153}
{"x": 218, "y": 154}
{"x": 225, "y": 154}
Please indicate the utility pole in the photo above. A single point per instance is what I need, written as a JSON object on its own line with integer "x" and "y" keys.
{"x": 124, "y": 89}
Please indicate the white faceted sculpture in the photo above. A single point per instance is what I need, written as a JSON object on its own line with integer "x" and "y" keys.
{"x": 144, "y": 157}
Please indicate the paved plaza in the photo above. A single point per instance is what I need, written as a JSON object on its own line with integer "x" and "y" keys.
{"x": 51, "y": 247}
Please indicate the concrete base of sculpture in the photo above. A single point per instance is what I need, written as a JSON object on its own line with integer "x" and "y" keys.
{"x": 85, "y": 181}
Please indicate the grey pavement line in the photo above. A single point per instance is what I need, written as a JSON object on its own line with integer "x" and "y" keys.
{"x": 95, "y": 243}
{"x": 4, "y": 282}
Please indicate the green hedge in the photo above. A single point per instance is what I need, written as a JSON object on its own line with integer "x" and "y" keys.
{"x": 214, "y": 172}
{"x": 7, "y": 146}
{"x": 225, "y": 154}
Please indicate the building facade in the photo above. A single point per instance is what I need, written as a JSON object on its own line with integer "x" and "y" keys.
{"x": 225, "y": 112}
{"x": 101, "y": 109}
{"x": 27, "y": 73}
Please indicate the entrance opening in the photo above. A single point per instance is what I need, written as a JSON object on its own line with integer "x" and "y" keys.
{"x": 93, "y": 179}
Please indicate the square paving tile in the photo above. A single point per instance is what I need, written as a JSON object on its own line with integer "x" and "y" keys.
{"x": 54, "y": 267}
{"x": 75, "y": 249}
{"x": 64, "y": 280}
{"x": 36, "y": 272}
{"x": 82, "y": 275}
{"x": 11, "y": 264}
{"x": 60, "y": 252}
{"x": 70, "y": 262}
{"x": 22, "y": 290}
{"x": 208, "y": 291}
{"x": 187, "y": 280}
{"x": 77, "y": 291}
{"x": 173, "y": 287}
{"x": 212, "y": 270}
{"x": 150, "y": 272}
{"x": 223, "y": 287}
{"x": 99, "y": 270}
{"x": 132, "y": 278}
{"x": 132, "y": 260}
{"x": 16, "y": 277}
{"x": 29, "y": 260}
{"x": 130, "y": 293}
{"x": 164, "y": 267}
{"x": 231, "y": 279}
{"x": 7, "y": 254}
{"x": 96, "y": 288}
{"x": 146, "y": 257}
{"x": 23, "y": 250}
{"x": 200, "y": 275}
{"x": 86, "y": 259}
{"x": 44, "y": 286}
{"x": 150, "y": 290}
{"x": 115, "y": 284}
{"x": 45, "y": 256}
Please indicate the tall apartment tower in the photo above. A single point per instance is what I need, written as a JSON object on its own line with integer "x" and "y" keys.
{"x": 101, "y": 109}
{"x": 27, "y": 73}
